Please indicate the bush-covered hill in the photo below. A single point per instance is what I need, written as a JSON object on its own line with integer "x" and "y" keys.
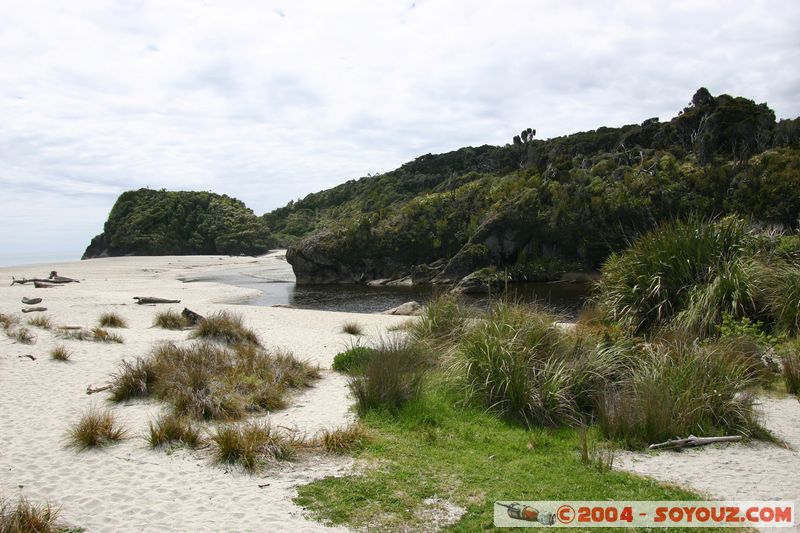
{"x": 148, "y": 222}
{"x": 533, "y": 210}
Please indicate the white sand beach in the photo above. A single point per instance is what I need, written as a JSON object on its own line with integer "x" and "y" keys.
{"x": 128, "y": 486}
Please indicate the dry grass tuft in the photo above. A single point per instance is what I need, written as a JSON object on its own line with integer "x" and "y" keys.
{"x": 22, "y": 335}
{"x": 227, "y": 328}
{"x": 169, "y": 429}
{"x": 96, "y": 427}
{"x": 101, "y": 335}
{"x": 352, "y": 328}
{"x": 343, "y": 440}
{"x": 112, "y": 320}
{"x": 41, "y": 321}
{"x": 8, "y": 321}
{"x": 60, "y": 353}
{"x": 170, "y": 320}
{"x": 26, "y": 517}
{"x": 790, "y": 365}
{"x": 212, "y": 382}
{"x": 254, "y": 444}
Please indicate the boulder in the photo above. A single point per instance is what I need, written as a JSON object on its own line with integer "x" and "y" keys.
{"x": 406, "y": 309}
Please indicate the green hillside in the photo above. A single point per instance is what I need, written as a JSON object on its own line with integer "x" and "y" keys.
{"x": 533, "y": 209}
{"x": 147, "y": 222}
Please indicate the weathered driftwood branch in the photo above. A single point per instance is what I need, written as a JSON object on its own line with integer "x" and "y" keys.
{"x": 59, "y": 280}
{"x": 691, "y": 440}
{"x": 29, "y": 356}
{"x": 31, "y": 301}
{"x": 92, "y": 390}
{"x": 153, "y": 300}
{"x": 33, "y": 309}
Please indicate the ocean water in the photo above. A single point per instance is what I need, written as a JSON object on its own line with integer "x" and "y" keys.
{"x": 43, "y": 258}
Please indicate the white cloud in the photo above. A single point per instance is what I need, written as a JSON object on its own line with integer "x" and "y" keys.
{"x": 269, "y": 101}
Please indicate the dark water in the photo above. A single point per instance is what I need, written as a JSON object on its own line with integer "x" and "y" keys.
{"x": 566, "y": 298}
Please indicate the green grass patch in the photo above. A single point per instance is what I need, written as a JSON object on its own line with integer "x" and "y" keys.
{"x": 469, "y": 457}
{"x": 353, "y": 360}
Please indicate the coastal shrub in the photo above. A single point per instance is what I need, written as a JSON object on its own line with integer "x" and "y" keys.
{"x": 252, "y": 444}
{"x": 352, "y": 328}
{"x": 112, "y": 320}
{"x": 692, "y": 267}
{"x": 170, "y": 319}
{"x": 782, "y": 295}
{"x": 41, "y": 321}
{"x": 790, "y": 367}
{"x": 96, "y": 427}
{"x": 208, "y": 381}
{"x": 343, "y": 440}
{"x": 391, "y": 377}
{"x": 168, "y": 429}
{"x": 60, "y": 353}
{"x": 680, "y": 388}
{"x": 27, "y": 517}
{"x": 353, "y": 360}
{"x": 227, "y": 328}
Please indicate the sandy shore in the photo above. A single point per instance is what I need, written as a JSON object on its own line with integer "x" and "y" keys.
{"x": 751, "y": 471}
{"x": 129, "y": 487}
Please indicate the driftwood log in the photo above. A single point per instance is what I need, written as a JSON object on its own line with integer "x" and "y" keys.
{"x": 192, "y": 317}
{"x": 44, "y": 285}
{"x": 31, "y": 301}
{"x": 141, "y": 300}
{"x": 691, "y": 440}
{"x": 33, "y": 309}
{"x": 59, "y": 280}
{"x": 92, "y": 390}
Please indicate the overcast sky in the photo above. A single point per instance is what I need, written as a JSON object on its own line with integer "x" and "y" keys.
{"x": 269, "y": 101}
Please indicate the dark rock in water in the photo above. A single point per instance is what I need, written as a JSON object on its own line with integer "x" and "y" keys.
{"x": 406, "y": 309}
{"x": 315, "y": 260}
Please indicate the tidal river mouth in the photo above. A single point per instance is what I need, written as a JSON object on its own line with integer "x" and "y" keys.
{"x": 275, "y": 281}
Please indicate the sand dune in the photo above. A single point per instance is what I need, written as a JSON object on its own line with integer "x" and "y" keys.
{"x": 129, "y": 487}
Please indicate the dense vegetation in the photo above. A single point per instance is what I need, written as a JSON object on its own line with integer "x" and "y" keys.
{"x": 685, "y": 329}
{"x": 148, "y": 222}
{"x": 532, "y": 210}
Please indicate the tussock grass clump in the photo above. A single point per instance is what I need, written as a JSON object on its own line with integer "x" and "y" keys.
{"x": 680, "y": 388}
{"x": 253, "y": 444}
{"x": 782, "y": 294}
{"x": 227, "y": 328}
{"x": 521, "y": 365}
{"x": 41, "y": 321}
{"x": 391, "y": 377}
{"x": 352, "y": 328}
{"x": 697, "y": 267}
{"x": 169, "y": 429}
{"x": 26, "y": 517}
{"x": 790, "y": 367}
{"x": 170, "y": 320}
{"x": 60, "y": 353}
{"x": 353, "y": 360}
{"x": 112, "y": 320}
{"x": 343, "y": 440}
{"x": 209, "y": 381}
{"x": 8, "y": 321}
{"x": 96, "y": 427}
{"x": 22, "y": 335}
{"x": 443, "y": 318}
